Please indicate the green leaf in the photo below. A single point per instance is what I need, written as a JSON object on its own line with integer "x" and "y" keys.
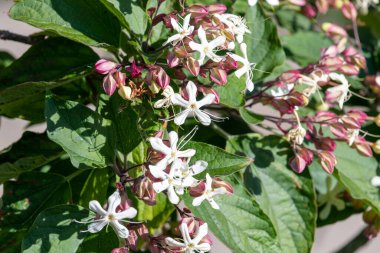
{"x": 6, "y": 59}
{"x": 95, "y": 187}
{"x": 47, "y": 61}
{"x": 286, "y": 197}
{"x": 129, "y": 14}
{"x": 239, "y": 223}
{"x": 103, "y": 241}
{"x": 264, "y": 46}
{"x": 355, "y": 172}
{"x": 81, "y": 132}
{"x": 55, "y": 231}
{"x": 84, "y": 21}
{"x": 20, "y": 157}
{"x": 156, "y": 215}
{"x": 305, "y": 47}
{"x": 30, "y": 194}
{"x": 219, "y": 161}
{"x": 293, "y": 21}
{"x": 250, "y": 117}
{"x": 232, "y": 94}
{"x": 10, "y": 240}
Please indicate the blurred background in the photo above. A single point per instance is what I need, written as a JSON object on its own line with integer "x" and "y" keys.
{"x": 328, "y": 239}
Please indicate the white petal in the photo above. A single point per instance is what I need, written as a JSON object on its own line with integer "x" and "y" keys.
{"x": 375, "y": 181}
{"x": 217, "y": 42}
{"x": 172, "y": 195}
{"x": 181, "y": 117}
{"x": 202, "y": 35}
{"x": 114, "y": 201}
{"x": 213, "y": 204}
{"x": 163, "y": 163}
{"x": 186, "y": 22}
{"x": 95, "y": 206}
{"x": 186, "y": 153}
{"x": 178, "y": 100}
{"x": 203, "y": 117}
{"x": 202, "y": 232}
{"x": 171, "y": 242}
{"x": 208, "y": 182}
{"x": 198, "y": 167}
{"x": 173, "y": 138}
{"x": 160, "y": 103}
{"x": 175, "y": 25}
{"x": 130, "y": 213}
{"x": 161, "y": 186}
{"x": 252, "y": 2}
{"x": 243, "y": 48}
{"x": 201, "y": 59}
{"x": 120, "y": 229}
{"x": 248, "y": 83}
{"x": 191, "y": 89}
{"x": 240, "y": 72}
{"x": 185, "y": 233}
{"x": 237, "y": 57}
{"x": 195, "y": 46}
{"x": 175, "y": 37}
{"x": 214, "y": 57}
{"x": 203, "y": 247}
{"x": 273, "y": 2}
{"x": 198, "y": 200}
{"x": 96, "y": 226}
{"x": 158, "y": 145}
{"x": 207, "y": 100}
{"x": 157, "y": 171}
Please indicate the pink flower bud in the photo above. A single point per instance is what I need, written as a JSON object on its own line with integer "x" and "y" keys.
{"x": 157, "y": 76}
{"x": 163, "y": 79}
{"x": 172, "y": 60}
{"x": 143, "y": 188}
{"x": 178, "y": 74}
{"x": 327, "y": 160}
{"x": 132, "y": 240}
{"x": 134, "y": 70}
{"x": 362, "y": 146}
{"x": 228, "y": 63}
{"x": 303, "y": 157}
{"x": 191, "y": 65}
{"x": 109, "y": 84}
{"x": 216, "y": 8}
{"x": 334, "y": 30}
{"x": 322, "y": 5}
{"x": 120, "y": 250}
{"x": 191, "y": 224}
{"x": 331, "y": 51}
{"x": 309, "y": 11}
{"x": 325, "y": 143}
{"x": 290, "y": 76}
{"x": 120, "y": 78}
{"x": 331, "y": 63}
{"x": 159, "y": 18}
{"x": 151, "y": 11}
{"x": 298, "y": 2}
{"x": 218, "y": 76}
{"x": 349, "y": 69}
{"x": 167, "y": 20}
{"x": 354, "y": 119}
{"x": 104, "y": 67}
{"x": 143, "y": 231}
{"x": 338, "y": 130}
{"x": 326, "y": 117}
{"x": 219, "y": 183}
{"x": 197, "y": 190}
{"x": 197, "y": 10}
{"x": 349, "y": 11}
{"x": 207, "y": 90}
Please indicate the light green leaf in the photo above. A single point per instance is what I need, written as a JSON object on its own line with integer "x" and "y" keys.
{"x": 219, "y": 161}
{"x": 31, "y": 193}
{"x": 232, "y": 94}
{"x": 20, "y": 158}
{"x": 84, "y": 21}
{"x": 81, "y": 132}
{"x": 250, "y": 117}
{"x": 286, "y": 197}
{"x": 55, "y": 231}
{"x": 239, "y": 223}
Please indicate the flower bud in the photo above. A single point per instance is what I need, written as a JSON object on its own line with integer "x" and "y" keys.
{"x": 326, "y": 117}
{"x": 327, "y": 160}
{"x": 376, "y": 147}
{"x": 216, "y": 8}
{"x": 322, "y": 6}
{"x": 298, "y": 2}
{"x": 172, "y": 60}
{"x": 325, "y": 143}
{"x": 290, "y": 76}
{"x": 143, "y": 188}
{"x": 349, "y": 69}
{"x": 104, "y": 67}
{"x": 120, "y": 78}
{"x": 218, "y": 76}
{"x": 362, "y": 146}
{"x": 303, "y": 157}
{"x": 191, "y": 65}
{"x": 309, "y": 11}
{"x": 296, "y": 135}
{"x": 349, "y": 11}
{"x": 377, "y": 120}
{"x": 134, "y": 70}
{"x": 109, "y": 84}
{"x": 156, "y": 76}
{"x": 191, "y": 224}
{"x": 219, "y": 183}
{"x": 197, "y": 10}
{"x": 197, "y": 190}
{"x": 125, "y": 92}
{"x": 331, "y": 51}
{"x": 154, "y": 88}
{"x": 131, "y": 240}
{"x": 120, "y": 250}
{"x": 143, "y": 231}
{"x": 207, "y": 90}
{"x": 333, "y": 30}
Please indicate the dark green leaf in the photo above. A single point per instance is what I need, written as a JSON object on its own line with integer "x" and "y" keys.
{"x": 232, "y": 94}
{"x": 104, "y": 241}
{"x": 219, "y": 161}
{"x": 20, "y": 157}
{"x": 81, "y": 132}
{"x": 85, "y": 21}
{"x": 250, "y": 117}
{"x": 55, "y": 231}
{"x": 95, "y": 187}
{"x": 30, "y": 194}
{"x": 286, "y": 197}
{"x": 293, "y": 21}
{"x": 239, "y": 223}
{"x": 6, "y": 59}
{"x": 10, "y": 240}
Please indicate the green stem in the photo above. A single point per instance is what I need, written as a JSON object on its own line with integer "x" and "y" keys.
{"x": 354, "y": 244}
{"x": 76, "y": 173}
{"x": 220, "y": 131}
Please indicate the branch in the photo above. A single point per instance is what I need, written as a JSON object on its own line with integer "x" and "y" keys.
{"x": 355, "y": 243}
{"x": 7, "y": 35}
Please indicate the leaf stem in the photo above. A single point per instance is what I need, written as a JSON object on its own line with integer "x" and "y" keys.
{"x": 220, "y": 131}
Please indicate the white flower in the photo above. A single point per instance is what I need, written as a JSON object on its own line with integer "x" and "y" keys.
{"x": 340, "y": 93}
{"x": 375, "y": 181}
{"x": 330, "y": 199}
{"x": 270, "y": 2}
{"x": 110, "y": 216}
{"x": 190, "y": 245}
{"x": 165, "y": 102}
{"x": 246, "y": 68}
{"x": 209, "y": 194}
{"x": 281, "y": 92}
{"x": 171, "y": 153}
{"x": 206, "y": 48}
{"x": 296, "y": 135}
{"x": 179, "y": 177}
{"x": 352, "y": 134}
{"x": 236, "y": 25}
{"x": 312, "y": 82}
{"x": 363, "y": 5}
{"x": 192, "y": 105}
{"x": 183, "y": 31}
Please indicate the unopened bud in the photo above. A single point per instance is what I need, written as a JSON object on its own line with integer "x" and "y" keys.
{"x": 219, "y": 183}
{"x": 207, "y": 90}
{"x": 109, "y": 84}
{"x": 216, "y": 8}
{"x": 309, "y": 11}
{"x": 192, "y": 66}
{"x": 197, "y": 10}
{"x": 104, "y": 67}
{"x": 349, "y": 11}
{"x": 125, "y": 92}
{"x": 172, "y": 60}
{"x": 154, "y": 88}
{"x": 197, "y": 190}
{"x": 322, "y": 5}
{"x": 376, "y": 147}
{"x": 218, "y": 76}
{"x": 143, "y": 188}
{"x": 327, "y": 160}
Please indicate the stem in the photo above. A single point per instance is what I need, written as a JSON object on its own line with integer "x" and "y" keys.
{"x": 355, "y": 243}
{"x": 357, "y": 40}
{"x": 76, "y": 173}
{"x": 220, "y": 131}
{"x": 7, "y": 35}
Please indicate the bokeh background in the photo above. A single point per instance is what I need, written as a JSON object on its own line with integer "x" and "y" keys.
{"x": 328, "y": 239}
